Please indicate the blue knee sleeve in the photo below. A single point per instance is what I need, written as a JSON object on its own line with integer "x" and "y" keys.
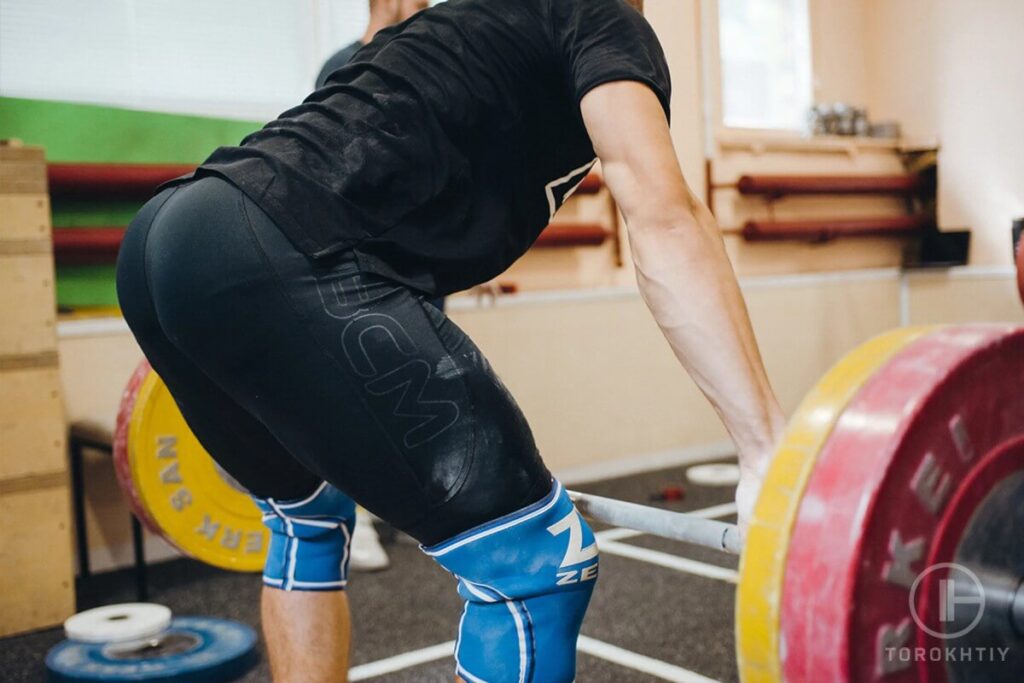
{"x": 309, "y": 540}
{"x": 527, "y": 580}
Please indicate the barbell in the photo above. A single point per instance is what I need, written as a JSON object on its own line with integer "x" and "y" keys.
{"x": 887, "y": 543}
{"x": 1003, "y": 594}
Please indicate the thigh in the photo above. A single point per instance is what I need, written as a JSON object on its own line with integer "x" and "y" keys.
{"x": 360, "y": 380}
{"x": 434, "y": 395}
{"x": 235, "y": 439}
{"x": 429, "y": 391}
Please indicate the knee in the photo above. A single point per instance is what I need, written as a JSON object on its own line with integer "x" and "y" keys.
{"x": 527, "y": 579}
{"x": 309, "y": 540}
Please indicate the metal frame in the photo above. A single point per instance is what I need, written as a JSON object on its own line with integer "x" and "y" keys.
{"x": 76, "y": 447}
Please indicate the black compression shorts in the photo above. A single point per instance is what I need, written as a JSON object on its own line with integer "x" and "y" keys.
{"x": 291, "y": 371}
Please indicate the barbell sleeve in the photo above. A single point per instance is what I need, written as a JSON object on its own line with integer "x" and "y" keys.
{"x": 1002, "y": 594}
{"x": 680, "y": 526}
{"x": 1017, "y": 612}
{"x": 1006, "y": 604}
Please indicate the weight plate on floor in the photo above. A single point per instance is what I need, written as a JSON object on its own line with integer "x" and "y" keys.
{"x": 716, "y": 474}
{"x": 907, "y": 465}
{"x": 175, "y": 487}
{"x": 763, "y": 564}
{"x": 193, "y": 650}
{"x": 118, "y": 623}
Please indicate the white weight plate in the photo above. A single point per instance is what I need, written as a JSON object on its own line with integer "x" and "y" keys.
{"x": 118, "y": 623}
{"x": 719, "y": 474}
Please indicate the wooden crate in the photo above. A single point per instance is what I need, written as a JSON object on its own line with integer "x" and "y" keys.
{"x": 36, "y": 563}
{"x": 22, "y": 169}
{"x": 32, "y": 437}
{"x": 25, "y": 217}
{"x": 36, "y": 581}
{"x": 28, "y": 311}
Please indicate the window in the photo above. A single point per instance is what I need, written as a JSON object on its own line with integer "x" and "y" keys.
{"x": 765, "y": 56}
{"x": 248, "y": 59}
{"x": 340, "y": 23}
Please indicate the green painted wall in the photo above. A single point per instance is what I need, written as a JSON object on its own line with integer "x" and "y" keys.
{"x": 88, "y": 133}
{"x": 85, "y": 132}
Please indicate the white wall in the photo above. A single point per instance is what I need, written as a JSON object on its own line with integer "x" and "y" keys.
{"x": 677, "y": 23}
{"x": 838, "y": 33}
{"x": 955, "y": 70}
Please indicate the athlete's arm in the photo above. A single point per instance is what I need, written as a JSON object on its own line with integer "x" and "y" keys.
{"x": 684, "y": 274}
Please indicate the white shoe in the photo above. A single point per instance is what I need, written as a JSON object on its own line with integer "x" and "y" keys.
{"x": 367, "y": 553}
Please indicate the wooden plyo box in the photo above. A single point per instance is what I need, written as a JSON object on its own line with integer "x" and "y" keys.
{"x": 36, "y": 559}
{"x": 28, "y": 310}
{"x": 32, "y": 439}
{"x": 35, "y": 555}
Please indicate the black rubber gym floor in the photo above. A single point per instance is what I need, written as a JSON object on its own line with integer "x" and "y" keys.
{"x": 662, "y": 622}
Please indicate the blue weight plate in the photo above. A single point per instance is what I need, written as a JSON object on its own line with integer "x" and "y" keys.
{"x": 192, "y": 650}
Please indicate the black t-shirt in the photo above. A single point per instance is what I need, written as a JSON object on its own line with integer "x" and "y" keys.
{"x": 444, "y": 148}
